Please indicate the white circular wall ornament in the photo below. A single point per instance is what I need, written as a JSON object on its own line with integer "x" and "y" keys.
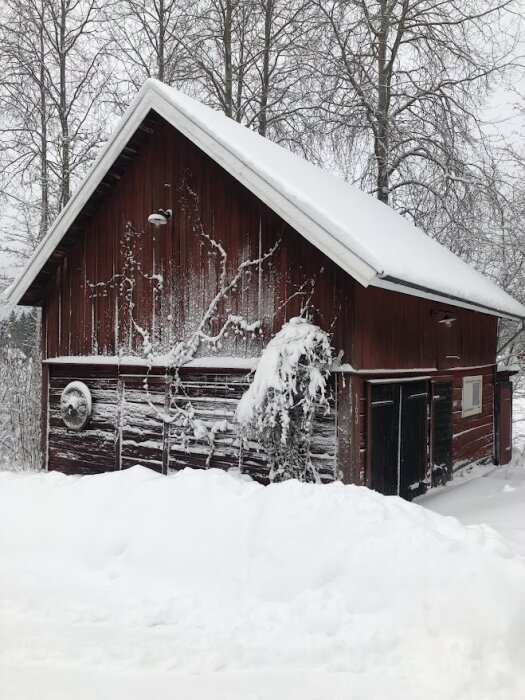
{"x": 75, "y": 405}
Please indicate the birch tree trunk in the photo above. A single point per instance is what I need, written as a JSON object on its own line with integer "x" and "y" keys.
{"x": 403, "y": 84}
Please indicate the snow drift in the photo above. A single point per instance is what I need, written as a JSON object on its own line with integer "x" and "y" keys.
{"x": 204, "y": 571}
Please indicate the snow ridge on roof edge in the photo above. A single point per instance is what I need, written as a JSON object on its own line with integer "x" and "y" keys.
{"x": 179, "y": 110}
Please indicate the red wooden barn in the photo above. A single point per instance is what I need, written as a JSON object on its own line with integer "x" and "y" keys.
{"x": 416, "y": 391}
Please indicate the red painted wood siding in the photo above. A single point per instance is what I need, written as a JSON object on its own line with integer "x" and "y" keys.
{"x": 126, "y": 425}
{"x": 473, "y": 436}
{"x": 81, "y": 323}
{"x": 375, "y": 328}
{"x": 398, "y": 331}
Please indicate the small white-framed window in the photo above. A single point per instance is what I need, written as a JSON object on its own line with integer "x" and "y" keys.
{"x": 472, "y": 396}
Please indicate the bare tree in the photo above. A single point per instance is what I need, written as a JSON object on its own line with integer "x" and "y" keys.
{"x": 51, "y": 98}
{"x": 403, "y": 84}
{"x": 77, "y": 80}
{"x": 280, "y": 97}
{"x": 24, "y": 102}
{"x": 246, "y": 58}
{"x": 147, "y": 42}
{"x": 19, "y": 393}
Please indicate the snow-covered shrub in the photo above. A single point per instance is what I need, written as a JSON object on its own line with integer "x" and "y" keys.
{"x": 19, "y": 410}
{"x": 20, "y": 391}
{"x": 288, "y": 388}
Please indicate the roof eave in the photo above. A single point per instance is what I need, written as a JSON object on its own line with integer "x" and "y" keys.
{"x": 150, "y": 98}
{"x": 397, "y": 285}
{"x": 129, "y": 123}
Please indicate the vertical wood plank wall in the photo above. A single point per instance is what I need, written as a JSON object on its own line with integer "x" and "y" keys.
{"x": 397, "y": 331}
{"x": 174, "y": 272}
{"x": 375, "y": 328}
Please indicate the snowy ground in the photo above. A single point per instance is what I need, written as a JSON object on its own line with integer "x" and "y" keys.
{"x": 491, "y": 495}
{"x": 203, "y": 585}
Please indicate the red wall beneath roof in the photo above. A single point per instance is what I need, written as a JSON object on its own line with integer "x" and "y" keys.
{"x": 79, "y": 324}
{"x": 375, "y": 328}
{"x": 397, "y": 331}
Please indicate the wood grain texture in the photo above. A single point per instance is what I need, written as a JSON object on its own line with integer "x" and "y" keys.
{"x": 397, "y": 331}
{"x": 127, "y": 425}
{"x": 171, "y": 172}
{"x": 375, "y": 328}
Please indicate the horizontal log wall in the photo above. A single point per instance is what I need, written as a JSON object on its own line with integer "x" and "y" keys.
{"x": 91, "y": 450}
{"x": 127, "y": 426}
{"x": 473, "y": 436}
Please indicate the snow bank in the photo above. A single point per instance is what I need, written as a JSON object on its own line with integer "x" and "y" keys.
{"x": 487, "y": 494}
{"x": 204, "y": 571}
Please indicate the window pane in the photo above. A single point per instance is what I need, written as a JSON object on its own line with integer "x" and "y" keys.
{"x": 475, "y": 394}
{"x": 471, "y": 398}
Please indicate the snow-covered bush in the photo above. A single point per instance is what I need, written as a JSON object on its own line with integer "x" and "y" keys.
{"x": 289, "y": 386}
{"x": 20, "y": 391}
{"x": 19, "y": 410}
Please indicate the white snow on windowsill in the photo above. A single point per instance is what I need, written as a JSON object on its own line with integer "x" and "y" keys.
{"x": 502, "y": 367}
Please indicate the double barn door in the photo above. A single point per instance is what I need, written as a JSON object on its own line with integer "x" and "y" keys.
{"x": 398, "y": 435}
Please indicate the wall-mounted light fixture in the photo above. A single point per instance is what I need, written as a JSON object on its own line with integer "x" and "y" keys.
{"x": 160, "y": 217}
{"x": 447, "y": 319}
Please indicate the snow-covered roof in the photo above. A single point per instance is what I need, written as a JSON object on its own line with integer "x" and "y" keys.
{"x": 365, "y": 237}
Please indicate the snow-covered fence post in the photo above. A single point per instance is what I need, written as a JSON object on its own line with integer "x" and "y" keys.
{"x": 289, "y": 386}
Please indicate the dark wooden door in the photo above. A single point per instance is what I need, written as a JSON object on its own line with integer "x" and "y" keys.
{"x": 397, "y": 437}
{"x": 413, "y": 437}
{"x": 503, "y": 407}
{"x": 383, "y": 437}
{"x": 441, "y": 431}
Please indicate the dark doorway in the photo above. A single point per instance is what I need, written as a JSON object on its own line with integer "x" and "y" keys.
{"x": 383, "y": 437}
{"x": 503, "y": 408}
{"x": 397, "y": 437}
{"x": 413, "y": 452}
{"x": 441, "y": 431}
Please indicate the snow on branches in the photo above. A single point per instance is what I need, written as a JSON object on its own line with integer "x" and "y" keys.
{"x": 216, "y": 320}
{"x": 289, "y": 387}
{"x": 182, "y": 415}
{"x": 125, "y": 284}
